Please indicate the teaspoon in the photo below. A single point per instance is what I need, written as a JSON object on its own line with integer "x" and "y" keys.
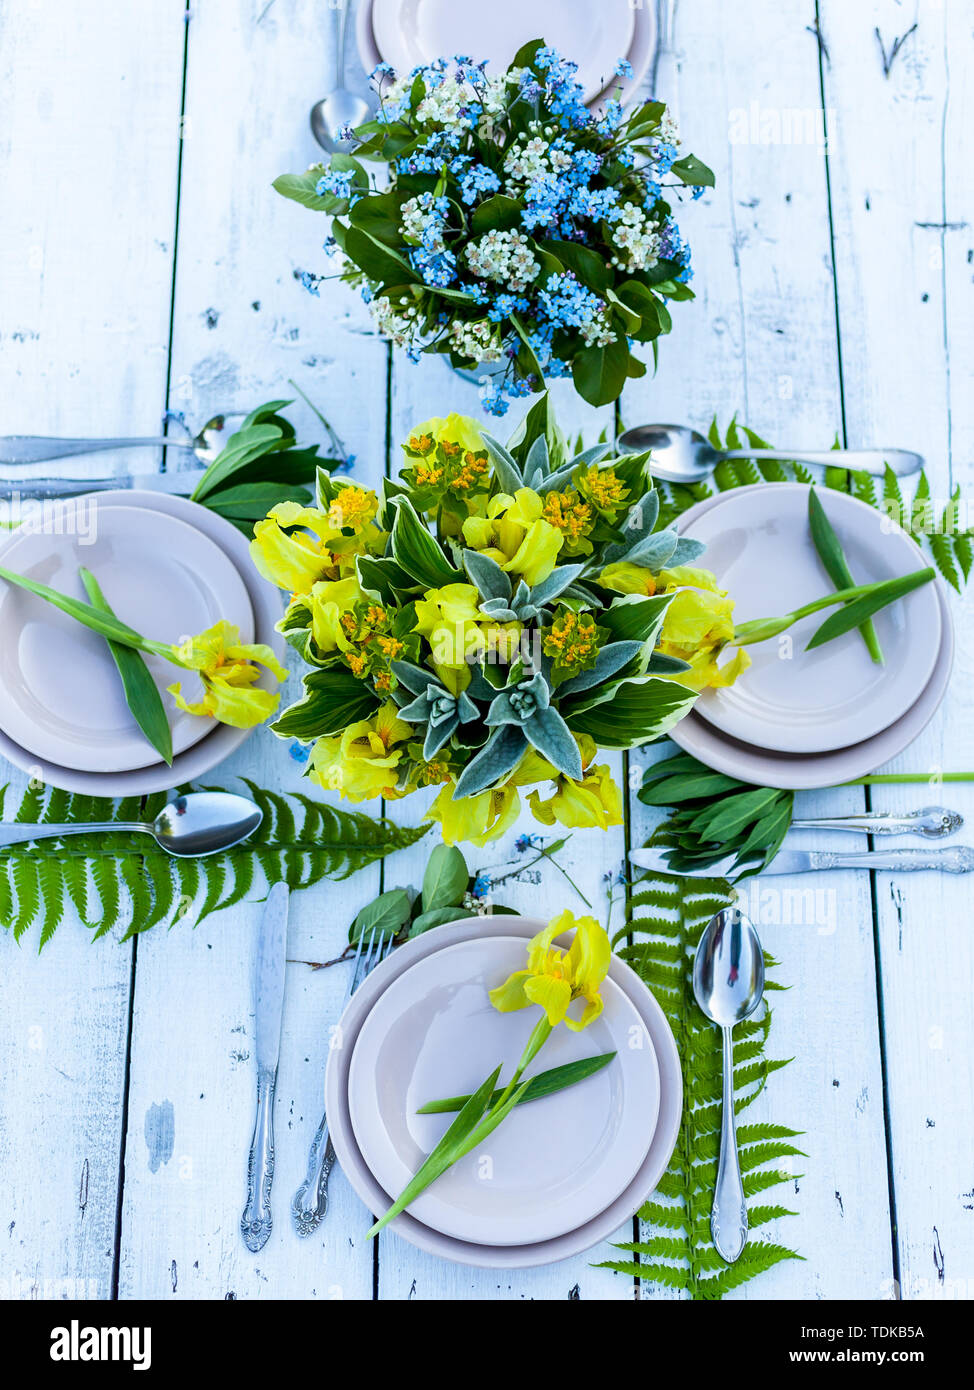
{"x": 189, "y": 826}
{"x": 340, "y": 109}
{"x": 728, "y": 985}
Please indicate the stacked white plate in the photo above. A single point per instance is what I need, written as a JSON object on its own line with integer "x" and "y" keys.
{"x": 798, "y": 719}
{"x": 561, "y": 1173}
{"x": 169, "y": 568}
{"x": 408, "y": 33}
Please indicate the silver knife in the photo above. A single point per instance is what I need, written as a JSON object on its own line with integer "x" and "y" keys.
{"x": 957, "y": 860}
{"x": 181, "y": 482}
{"x": 255, "y": 1223}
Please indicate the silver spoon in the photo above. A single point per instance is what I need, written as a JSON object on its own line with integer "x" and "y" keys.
{"x": 682, "y": 455}
{"x": 340, "y": 108}
{"x": 728, "y": 985}
{"x": 188, "y": 826}
{"x": 36, "y": 448}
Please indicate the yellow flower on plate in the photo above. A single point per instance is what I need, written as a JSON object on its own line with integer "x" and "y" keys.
{"x": 228, "y": 669}
{"x": 475, "y": 818}
{"x": 363, "y": 761}
{"x": 515, "y": 535}
{"x": 555, "y": 978}
{"x": 697, "y": 626}
{"x": 594, "y": 801}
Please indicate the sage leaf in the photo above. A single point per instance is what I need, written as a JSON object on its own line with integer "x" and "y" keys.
{"x": 385, "y": 916}
{"x": 445, "y": 879}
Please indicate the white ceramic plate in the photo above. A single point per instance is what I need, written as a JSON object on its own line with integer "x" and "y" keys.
{"x": 553, "y": 1165}
{"x": 60, "y": 693}
{"x": 806, "y": 772}
{"x": 203, "y": 756}
{"x": 584, "y": 1236}
{"x": 595, "y": 36}
{"x": 790, "y": 700}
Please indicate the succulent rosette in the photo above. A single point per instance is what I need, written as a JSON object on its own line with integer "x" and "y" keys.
{"x": 489, "y": 623}
{"x": 516, "y": 229}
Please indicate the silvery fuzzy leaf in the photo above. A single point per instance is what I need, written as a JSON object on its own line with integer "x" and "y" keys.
{"x": 639, "y": 522}
{"x": 499, "y": 610}
{"x": 537, "y": 458}
{"x": 610, "y": 659}
{"x": 414, "y": 678}
{"x": 660, "y": 665}
{"x": 500, "y": 755}
{"x": 466, "y": 709}
{"x": 487, "y": 575}
{"x": 521, "y": 594}
{"x": 687, "y": 550}
{"x": 501, "y": 711}
{"x": 505, "y": 465}
{"x": 479, "y": 688}
{"x": 437, "y": 735}
{"x": 557, "y": 582}
{"x": 549, "y": 733}
{"x": 594, "y": 454}
{"x": 583, "y": 595}
{"x": 653, "y": 552}
{"x": 418, "y": 712}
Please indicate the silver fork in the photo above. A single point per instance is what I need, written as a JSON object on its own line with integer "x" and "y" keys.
{"x": 310, "y": 1202}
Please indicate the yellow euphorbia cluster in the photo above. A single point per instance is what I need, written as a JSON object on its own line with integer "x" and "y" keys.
{"x": 698, "y": 624}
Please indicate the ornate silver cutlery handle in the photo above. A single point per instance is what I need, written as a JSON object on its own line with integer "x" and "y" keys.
{"x": 958, "y": 860}
{"x": 932, "y": 822}
{"x": 310, "y": 1202}
{"x": 255, "y": 1223}
{"x": 728, "y": 1215}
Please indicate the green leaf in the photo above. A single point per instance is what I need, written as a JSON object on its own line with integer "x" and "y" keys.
{"x": 416, "y": 551}
{"x": 383, "y": 917}
{"x": 241, "y": 449}
{"x": 332, "y": 700}
{"x": 587, "y": 265}
{"x": 446, "y": 878}
{"x": 629, "y": 713}
{"x": 691, "y": 170}
{"x": 380, "y": 263}
{"x": 546, "y": 1083}
{"x": 599, "y": 373}
{"x": 498, "y": 213}
{"x": 438, "y": 917}
{"x": 832, "y": 555}
{"x": 856, "y": 612}
{"x": 141, "y": 692}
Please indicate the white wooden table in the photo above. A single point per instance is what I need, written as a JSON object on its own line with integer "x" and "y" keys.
{"x": 146, "y": 265}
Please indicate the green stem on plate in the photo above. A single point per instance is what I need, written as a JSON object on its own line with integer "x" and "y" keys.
{"x": 760, "y": 629}
{"x": 546, "y": 1083}
{"x": 830, "y": 552}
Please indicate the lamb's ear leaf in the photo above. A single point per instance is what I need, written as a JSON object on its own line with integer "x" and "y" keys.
{"x": 661, "y": 665}
{"x": 610, "y": 659}
{"x": 552, "y": 737}
{"x": 466, "y": 709}
{"x": 498, "y": 610}
{"x": 505, "y": 465}
{"x": 437, "y": 735}
{"x": 653, "y": 552}
{"x": 687, "y": 550}
{"x": 414, "y": 678}
{"x": 639, "y": 522}
{"x": 556, "y": 583}
{"x": 487, "y": 574}
{"x": 537, "y": 460}
{"x": 500, "y": 755}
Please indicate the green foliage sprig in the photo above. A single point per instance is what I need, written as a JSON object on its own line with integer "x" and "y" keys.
{"x": 109, "y": 879}
{"x": 675, "y": 1249}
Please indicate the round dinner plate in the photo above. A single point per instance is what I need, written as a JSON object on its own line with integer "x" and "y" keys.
{"x": 497, "y": 1256}
{"x": 807, "y": 772}
{"x": 211, "y": 750}
{"x": 417, "y": 31}
{"x": 797, "y": 701}
{"x": 60, "y": 693}
{"x": 555, "y": 1163}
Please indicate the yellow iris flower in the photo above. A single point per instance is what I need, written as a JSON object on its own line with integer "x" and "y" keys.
{"x": 554, "y": 978}
{"x": 363, "y": 761}
{"x": 698, "y": 625}
{"x": 227, "y": 668}
{"x": 297, "y": 559}
{"x": 594, "y": 801}
{"x": 475, "y": 818}
{"x": 514, "y": 534}
{"x": 458, "y": 633}
{"x": 329, "y": 600}
{"x": 460, "y": 431}
{"x": 626, "y": 578}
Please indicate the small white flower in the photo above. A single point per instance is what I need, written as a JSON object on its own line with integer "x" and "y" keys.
{"x": 480, "y": 341}
{"x": 505, "y": 257}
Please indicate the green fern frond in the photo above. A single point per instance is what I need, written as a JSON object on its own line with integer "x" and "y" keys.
{"x": 666, "y": 917}
{"x": 128, "y": 881}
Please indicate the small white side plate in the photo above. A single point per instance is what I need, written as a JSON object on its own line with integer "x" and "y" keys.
{"x": 60, "y": 693}
{"x": 554, "y": 1163}
{"x": 791, "y": 701}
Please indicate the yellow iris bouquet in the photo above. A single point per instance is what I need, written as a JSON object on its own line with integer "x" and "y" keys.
{"x": 490, "y": 622}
